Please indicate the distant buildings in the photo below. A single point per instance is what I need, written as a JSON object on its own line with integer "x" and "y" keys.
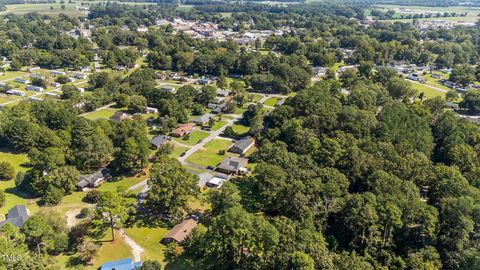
{"x": 120, "y": 116}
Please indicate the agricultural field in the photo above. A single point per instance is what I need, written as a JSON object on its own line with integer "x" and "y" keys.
{"x": 471, "y": 17}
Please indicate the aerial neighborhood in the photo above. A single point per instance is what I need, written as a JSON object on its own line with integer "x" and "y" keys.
{"x": 239, "y": 135}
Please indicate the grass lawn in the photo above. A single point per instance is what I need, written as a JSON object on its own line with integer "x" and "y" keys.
{"x": 271, "y": 102}
{"x": 239, "y": 110}
{"x": 240, "y": 129}
{"x": 11, "y": 75}
{"x": 429, "y": 92}
{"x": 195, "y": 136}
{"x": 254, "y": 97}
{"x": 51, "y": 9}
{"x": 149, "y": 239}
{"x": 208, "y": 155}
{"x": 218, "y": 125}
{"x": 101, "y": 114}
{"x": 177, "y": 150}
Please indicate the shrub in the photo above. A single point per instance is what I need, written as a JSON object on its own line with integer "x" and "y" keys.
{"x": 7, "y": 171}
{"x": 92, "y": 196}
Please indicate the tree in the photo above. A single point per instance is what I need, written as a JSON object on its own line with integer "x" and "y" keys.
{"x": 52, "y": 196}
{"x": 7, "y": 171}
{"x": 301, "y": 261}
{"x": 2, "y": 198}
{"x": 132, "y": 155}
{"x": 451, "y": 95}
{"x": 171, "y": 186}
{"x": 207, "y": 94}
{"x": 471, "y": 101}
{"x": 224, "y": 198}
{"x": 463, "y": 74}
{"x": 46, "y": 231}
{"x": 222, "y": 82}
{"x": 111, "y": 212}
{"x": 400, "y": 88}
{"x": 87, "y": 251}
{"x": 151, "y": 265}
{"x": 137, "y": 104}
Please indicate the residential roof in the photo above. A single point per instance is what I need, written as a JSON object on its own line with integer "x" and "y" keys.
{"x": 203, "y": 118}
{"x": 204, "y": 178}
{"x": 244, "y": 144}
{"x": 184, "y": 128}
{"x": 118, "y": 116}
{"x": 123, "y": 264}
{"x": 16, "y": 216}
{"x": 181, "y": 230}
{"x": 233, "y": 164}
{"x": 91, "y": 179}
{"x": 160, "y": 139}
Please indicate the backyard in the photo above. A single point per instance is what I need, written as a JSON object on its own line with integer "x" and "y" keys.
{"x": 209, "y": 155}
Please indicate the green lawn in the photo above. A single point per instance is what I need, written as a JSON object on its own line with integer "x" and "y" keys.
{"x": 218, "y": 125}
{"x": 240, "y": 129}
{"x": 11, "y": 75}
{"x": 101, "y": 114}
{"x": 254, "y": 97}
{"x": 271, "y": 102}
{"x": 471, "y": 16}
{"x": 177, "y": 150}
{"x": 208, "y": 155}
{"x": 195, "y": 136}
{"x": 429, "y": 92}
{"x": 149, "y": 239}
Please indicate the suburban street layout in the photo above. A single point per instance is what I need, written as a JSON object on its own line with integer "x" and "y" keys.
{"x": 195, "y": 135}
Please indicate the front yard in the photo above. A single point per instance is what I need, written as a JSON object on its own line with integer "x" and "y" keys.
{"x": 209, "y": 155}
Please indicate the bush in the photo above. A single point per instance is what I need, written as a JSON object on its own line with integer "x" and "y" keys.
{"x": 62, "y": 79}
{"x": 52, "y": 196}
{"x": 84, "y": 212}
{"x": 92, "y": 196}
{"x": 221, "y": 152}
{"x": 7, "y": 171}
{"x": 2, "y": 198}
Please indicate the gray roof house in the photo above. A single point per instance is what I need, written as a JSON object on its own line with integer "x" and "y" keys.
{"x": 93, "y": 180}
{"x": 233, "y": 165}
{"x": 203, "y": 119}
{"x": 241, "y": 146}
{"x": 159, "y": 140}
{"x": 16, "y": 216}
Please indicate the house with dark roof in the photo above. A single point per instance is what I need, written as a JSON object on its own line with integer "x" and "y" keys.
{"x": 120, "y": 116}
{"x": 180, "y": 232}
{"x": 93, "y": 180}
{"x": 183, "y": 129}
{"x": 233, "y": 165}
{"x": 160, "y": 140}
{"x": 243, "y": 145}
{"x": 123, "y": 264}
{"x": 16, "y": 216}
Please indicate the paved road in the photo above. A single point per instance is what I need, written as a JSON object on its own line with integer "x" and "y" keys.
{"x": 210, "y": 137}
{"x": 429, "y": 86}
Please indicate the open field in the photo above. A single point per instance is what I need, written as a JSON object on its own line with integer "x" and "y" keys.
{"x": 209, "y": 155}
{"x": 105, "y": 113}
{"x": 271, "y": 102}
{"x": 471, "y": 16}
{"x": 429, "y": 92}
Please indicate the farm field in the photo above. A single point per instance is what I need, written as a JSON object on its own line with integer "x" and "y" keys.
{"x": 471, "y": 16}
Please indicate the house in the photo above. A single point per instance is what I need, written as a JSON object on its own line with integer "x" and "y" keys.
{"x": 123, "y": 264}
{"x": 80, "y": 89}
{"x": 35, "y": 99}
{"x": 220, "y": 108}
{"x": 159, "y": 140}
{"x": 16, "y": 216}
{"x": 37, "y": 76}
{"x": 180, "y": 232}
{"x": 21, "y": 80}
{"x": 437, "y": 76}
{"x": 32, "y": 69}
{"x": 217, "y": 180}
{"x": 52, "y": 95}
{"x": 169, "y": 89}
{"x": 204, "y": 81}
{"x": 93, "y": 180}
{"x": 152, "y": 110}
{"x": 222, "y": 93}
{"x": 218, "y": 100}
{"x": 55, "y": 84}
{"x": 203, "y": 119}
{"x": 233, "y": 165}
{"x": 16, "y": 93}
{"x": 34, "y": 88}
{"x": 120, "y": 116}
{"x": 57, "y": 73}
{"x": 183, "y": 129}
{"x": 280, "y": 102}
{"x": 78, "y": 75}
{"x": 242, "y": 146}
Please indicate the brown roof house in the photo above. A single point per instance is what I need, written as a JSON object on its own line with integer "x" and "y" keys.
{"x": 120, "y": 116}
{"x": 180, "y": 232}
{"x": 243, "y": 145}
{"x": 233, "y": 165}
{"x": 183, "y": 130}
